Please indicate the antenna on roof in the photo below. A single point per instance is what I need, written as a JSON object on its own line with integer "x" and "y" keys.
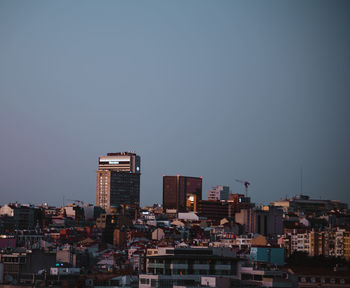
{"x": 301, "y": 180}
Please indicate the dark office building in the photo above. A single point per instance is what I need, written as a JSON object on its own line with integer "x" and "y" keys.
{"x": 118, "y": 180}
{"x": 214, "y": 210}
{"x": 178, "y": 191}
{"x": 268, "y": 222}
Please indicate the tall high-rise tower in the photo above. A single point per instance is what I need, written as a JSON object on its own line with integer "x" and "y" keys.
{"x": 118, "y": 180}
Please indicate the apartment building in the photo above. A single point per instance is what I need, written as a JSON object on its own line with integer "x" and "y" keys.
{"x": 170, "y": 266}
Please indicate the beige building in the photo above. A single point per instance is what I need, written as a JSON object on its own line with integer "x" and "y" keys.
{"x": 158, "y": 234}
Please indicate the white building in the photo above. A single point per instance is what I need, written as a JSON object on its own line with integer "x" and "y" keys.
{"x": 219, "y": 193}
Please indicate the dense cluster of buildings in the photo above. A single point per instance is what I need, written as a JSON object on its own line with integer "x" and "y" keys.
{"x": 224, "y": 241}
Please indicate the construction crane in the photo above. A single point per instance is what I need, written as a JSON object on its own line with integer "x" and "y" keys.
{"x": 246, "y": 184}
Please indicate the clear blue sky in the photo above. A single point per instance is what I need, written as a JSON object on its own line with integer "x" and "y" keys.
{"x": 252, "y": 90}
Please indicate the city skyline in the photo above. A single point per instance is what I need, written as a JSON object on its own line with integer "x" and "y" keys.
{"x": 226, "y": 90}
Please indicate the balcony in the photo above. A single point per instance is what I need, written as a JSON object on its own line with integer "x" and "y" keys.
{"x": 156, "y": 265}
{"x": 201, "y": 266}
{"x": 178, "y": 266}
{"x": 223, "y": 267}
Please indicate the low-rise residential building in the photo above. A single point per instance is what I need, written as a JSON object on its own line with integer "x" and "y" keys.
{"x": 332, "y": 243}
{"x": 22, "y": 264}
{"x": 320, "y": 277}
{"x": 170, "y": 266}
{"x": 19, "y": 216}
{"x": 264, "y": 276}
{"x": 303, "y": 204}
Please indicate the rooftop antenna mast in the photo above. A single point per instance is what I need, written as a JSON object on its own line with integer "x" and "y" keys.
{"x": 301, "y": 180}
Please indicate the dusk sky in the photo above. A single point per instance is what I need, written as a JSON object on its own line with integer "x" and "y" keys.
{"x": 253, "y": 90}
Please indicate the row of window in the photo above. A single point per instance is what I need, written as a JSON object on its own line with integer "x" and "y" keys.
{"x": 322, "y": 280}
{"x": 13, "y": 259}
{"x": 185, "y": 261}
{"x": 160, "y": 271}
